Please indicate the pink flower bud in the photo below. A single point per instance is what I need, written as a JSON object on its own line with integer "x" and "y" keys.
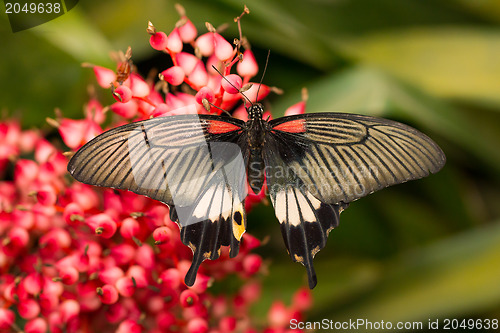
{"x": 248, "y": 66}
{"x": 138, "y": 86}
{"x": 122, "y": 94}
{"x": 102, "y": 224}
{"x": 126, "y": 110}
{"x": 125, "y": 286}
{"x": 36, "y": 325}
{"x": 252, "y": 264}
{"x": 116, "y": 312}
{"x": 55, "y": 323}
{"x": 17, "y": 239}
{"x": 6, "y": 319}
{"x": 227, "y": 324}
{"x": 25, "y": 172}
{"x": 197, "y": 325}
{"x": 199, "y": 76}
{"x": 278, "y": 315}
{"x": 122, "y": 253}
{"x": 46, "y": 195}
{"x": 250, "y": 242}
{"x": 188, "y": 31}
{"x": 252, "y": 92}
{"x": 145, "y": 256}
{"x": 111, "y": 275}
{"x": 73, "y": 214}
{"x": 129, "y": 228}
{"x": 28, "y": 140}
{"x": 171, "y": 277}
{"x": 204, "y": 93}
{"x": 43, "y": 151}
{"x": 33, "y": 283}
{"x": 28, "y": 308}
{"x": 108, "y": 294}
{"x": 173, "y": 102}
{"x": 139, "y": 275}
{"x": 165, "y": 320}
{"x": 158, "y": 40}
{"x": 188, "y": 298}
{"x": 84, "y": 196}
{"x": 174, "y": 43}
{"x": 223, "y": 50}
{"x": 48, "y": 302}
{"x": 68, "y": 275}
{"x": 250, "y": 292}
{"x": 174, "y": 75}
{"x": 201, "y": 284}
{"x": 232, "y": 83}
{"x": 89, "y": 300}
{"x": 156, "y": 304}
{"x": 104, "y": 76}
{"x": 302, "y": 299}
{"x": 129, "y": 326}
{"x": 186, "y": 61}
{"x": 162, "y": 235}
{"x": 205, "y": 44}
{"x": 69, "y": 309}
{"x": 298, "y": 108}
{"x": 160, "y": 110}
{"x": 53, "y": 241}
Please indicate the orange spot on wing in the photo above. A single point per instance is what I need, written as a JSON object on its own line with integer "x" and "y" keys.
{"x": 220, "y": 127}
{"x": 293, "y": 126}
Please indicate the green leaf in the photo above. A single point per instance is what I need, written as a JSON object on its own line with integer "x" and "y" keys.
{"x": 452, "y": 277}
{"x": 453, "y": 62}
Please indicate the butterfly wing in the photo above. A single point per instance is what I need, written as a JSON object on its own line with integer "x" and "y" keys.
{"x": 317, "y": 163}
{"x": 193, "y": 163}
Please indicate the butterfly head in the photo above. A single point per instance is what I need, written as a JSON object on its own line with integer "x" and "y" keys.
{"x": 255, "y": 111}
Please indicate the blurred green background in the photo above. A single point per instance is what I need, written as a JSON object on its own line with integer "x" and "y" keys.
{"x": 424, "y": 250}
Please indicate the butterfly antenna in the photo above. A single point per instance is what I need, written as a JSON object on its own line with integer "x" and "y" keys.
{"x": 215, "y": 106}
{"x": 264, "y": 73}
{"x": 242, "y": 94}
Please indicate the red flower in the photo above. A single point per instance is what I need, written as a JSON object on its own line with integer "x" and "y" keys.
{"x": 74, "y": 256}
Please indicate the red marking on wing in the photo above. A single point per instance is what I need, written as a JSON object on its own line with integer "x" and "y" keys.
{"x": 292, "y": 126}
{"x": 220, "y": 127}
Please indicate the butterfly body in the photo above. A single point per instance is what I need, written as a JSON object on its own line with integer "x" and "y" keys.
{"x": 313, "y": 166}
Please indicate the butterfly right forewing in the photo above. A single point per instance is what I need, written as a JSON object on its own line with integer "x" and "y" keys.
{"x": 343, "y": 157}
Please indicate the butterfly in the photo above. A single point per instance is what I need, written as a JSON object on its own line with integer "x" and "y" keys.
{"x": 313, "y": 165}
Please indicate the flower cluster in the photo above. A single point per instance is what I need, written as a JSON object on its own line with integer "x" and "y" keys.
{"x": 75, "y": 258}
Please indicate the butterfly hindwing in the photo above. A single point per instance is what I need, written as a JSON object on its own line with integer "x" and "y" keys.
{"x": 190, "y": 162}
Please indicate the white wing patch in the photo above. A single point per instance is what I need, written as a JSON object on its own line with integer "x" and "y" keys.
{"x": 292, "y": 206}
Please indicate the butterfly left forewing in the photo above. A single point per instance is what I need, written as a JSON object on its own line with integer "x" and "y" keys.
{"x": 193, "y": 163}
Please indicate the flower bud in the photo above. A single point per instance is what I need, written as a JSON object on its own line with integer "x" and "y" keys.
{"x": 223, "y": 50}
{"x": 104, "y": 76}
{"x": 188, "y": 298}
{"x": 158, "y": 40}
{"x": 122, "y": 94}
{"x": 248, "y": 66}
{"x": 173, "y": 75}
{"x": 174, "y": 43}
{"x": 108, "y": 294}
{"x": 232, "y": 83}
